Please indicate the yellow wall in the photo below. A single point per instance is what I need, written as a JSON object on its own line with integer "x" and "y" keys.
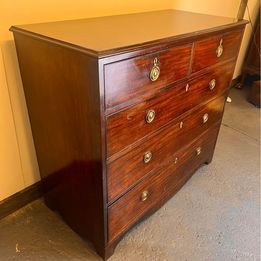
{"x": 11, "y": 176}
{"x": 18, "y": 165}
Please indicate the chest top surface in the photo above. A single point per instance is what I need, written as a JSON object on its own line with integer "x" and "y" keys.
{"x": 104, "y": 35}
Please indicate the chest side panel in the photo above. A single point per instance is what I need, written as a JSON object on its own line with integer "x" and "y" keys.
{"x": 63, "y": 100}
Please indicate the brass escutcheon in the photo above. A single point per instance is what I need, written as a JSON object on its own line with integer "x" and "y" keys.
{"x": 212, "y": 84}
{"x": 144, "y": 195}
{"x": 205, "y": 118}
{"x": 147, "y": 157}
{"x": 187, "y": 87}
{"x": 150, "y": 116}
{"x": 155, "y": 71}
{"x": 220, "y": 49}
{"x": 198, "y": 150}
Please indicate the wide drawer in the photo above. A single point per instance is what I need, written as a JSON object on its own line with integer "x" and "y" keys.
{"x": 166, "y": 107}
{"x": 161, "y": 148}
{"x": 129, "y": 78}
{"x": 214, "y": 49}
{"x": 148, "y": 195}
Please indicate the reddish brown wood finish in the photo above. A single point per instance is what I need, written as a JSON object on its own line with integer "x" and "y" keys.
{"x": 171, "y": 103}
{"x": 205, "y": 50}
{"x": 63, "y": 101}
{"x": 110, "y": 35}
{"x": 128, "y": 209}
{"x": 73, "y": 70}
{"x": 128, "y": 169}
{"x": 129, "y": 78}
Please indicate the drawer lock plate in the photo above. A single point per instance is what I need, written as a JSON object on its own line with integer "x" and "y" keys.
{"x": 147, "y": 157}
{"x": 144, "y": 195}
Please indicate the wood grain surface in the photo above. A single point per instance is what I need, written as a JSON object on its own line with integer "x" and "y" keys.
{"x": 168, "y": 105}
{"x": 160, "y": 185}
{"x": 63, "y": 101}
{"x": 205, "y": 50}
{"x": 130, "y": 78}
{"x": 87, "y": 88}
{"x": 164, "y": 145}
{"x": 113, "y": 34}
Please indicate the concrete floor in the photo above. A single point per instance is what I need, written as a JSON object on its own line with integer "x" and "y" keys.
{"x": 215, "y": 216}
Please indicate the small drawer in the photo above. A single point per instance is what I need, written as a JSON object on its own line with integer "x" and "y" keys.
{"x": 216, "y": 49}
{"x": 129, "y": 79}
{"x": 146, "y": 117}
{"x": 161, "y": 148}
{"x": 153, "y": 191}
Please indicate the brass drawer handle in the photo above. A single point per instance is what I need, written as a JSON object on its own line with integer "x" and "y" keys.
{"x": 150, "y": 116}
{"x": 205, "y": 118}
{"x": 144, "y": 195}
{"x": 220, "y": 49}
{"x": 181, "y": 124}
{"x": 187, "y": 87}
{"x": 147, "y": 157}
{"x": 198, "y": 151}
{"x": 212, "y": 84}
{"x": 155, "y": 71}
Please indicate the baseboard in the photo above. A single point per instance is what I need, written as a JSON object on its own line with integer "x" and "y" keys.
{"x": 20, "y": 199}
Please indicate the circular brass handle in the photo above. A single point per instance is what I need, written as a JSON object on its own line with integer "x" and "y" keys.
{"x": 220, "y": 49}
{"x": 147, "y": 157}
{"x": 144, "y": 195}
{"x": 205, "y": 118}
{"x": 198, "y": 150}
{"x": 212, "y": 84}
{"x": 155, "y": 71}
{"x": 150, "y": 116}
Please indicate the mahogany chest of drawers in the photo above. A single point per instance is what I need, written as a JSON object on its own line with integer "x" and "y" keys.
{"x": 123, "y": 110}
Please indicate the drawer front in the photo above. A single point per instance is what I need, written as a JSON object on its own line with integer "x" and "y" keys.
{"x": 216, "y": 49}
{"x": 129, "y": 78}
{"x": 148, "y": 195}
{"x": 166, "y": 106}
{"x": 161, "y": 148}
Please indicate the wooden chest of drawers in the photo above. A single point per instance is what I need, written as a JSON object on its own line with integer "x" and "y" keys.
{"x": 123, "y": 110}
